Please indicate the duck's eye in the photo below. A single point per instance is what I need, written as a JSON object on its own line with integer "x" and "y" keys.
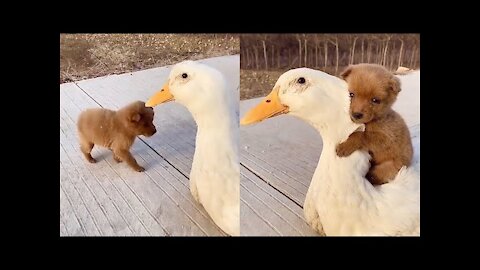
{"x": 184, "y": 75}
{"x": 352, "y": 94}
{"x": 301, "y": 80}
{"x": 376, "y": 100}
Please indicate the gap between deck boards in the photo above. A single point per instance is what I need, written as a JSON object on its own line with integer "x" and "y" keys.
{"x": 275, "y": 188}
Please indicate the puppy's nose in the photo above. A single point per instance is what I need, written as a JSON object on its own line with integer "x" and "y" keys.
{"x": 357, "y": 115}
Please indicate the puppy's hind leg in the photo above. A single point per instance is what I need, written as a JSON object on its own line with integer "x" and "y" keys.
{"x": 116, "y": 158}
{"x": 86, "y": 148}
{"x": 383, "y": 173}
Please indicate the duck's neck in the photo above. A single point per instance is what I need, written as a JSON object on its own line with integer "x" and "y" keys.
{"x": 338, "y": 130}
{"x": 333, "y": 171}
{"x": 217, "y": 134}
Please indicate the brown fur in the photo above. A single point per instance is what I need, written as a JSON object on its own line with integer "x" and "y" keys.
{"x": 115, "y": 130}
{"x": 386, "y": 134}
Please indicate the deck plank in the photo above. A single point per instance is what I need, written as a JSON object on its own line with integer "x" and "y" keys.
{"x": 289, "y": 215}
{"x": 251, "y": 223}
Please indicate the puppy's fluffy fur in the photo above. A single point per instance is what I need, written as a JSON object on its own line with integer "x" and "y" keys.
{"x": 116, "y": 130}
{"x": 373, "y": 90}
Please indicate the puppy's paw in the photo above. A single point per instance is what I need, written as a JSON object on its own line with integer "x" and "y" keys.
{"x": 117, "y": 159}
{"x": 92, "y": 160}
{"x": 374, "y": 179}
{"x": 344, "y": 150}
{"x": 140, "y": 169}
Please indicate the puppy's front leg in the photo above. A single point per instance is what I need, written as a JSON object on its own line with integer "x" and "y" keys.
{"x": 353, "y": 143}
{"x": 126, "y": 156}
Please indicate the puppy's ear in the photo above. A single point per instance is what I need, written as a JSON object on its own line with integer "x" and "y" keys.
{"x": 394, "y": 85}
{"x": 346, "y": 72}
{"x": 135, "y": 117}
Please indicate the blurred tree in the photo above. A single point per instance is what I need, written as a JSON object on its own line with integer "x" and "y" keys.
{"x": 315, "y": 50}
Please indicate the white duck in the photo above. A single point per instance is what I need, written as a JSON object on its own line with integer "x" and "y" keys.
{"x": 340, "y": 201}
{"x": 215, "y": 173}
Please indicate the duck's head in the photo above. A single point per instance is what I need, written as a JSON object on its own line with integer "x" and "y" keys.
{"x": 192, "y": 84}
{"x": 312, "y": 95}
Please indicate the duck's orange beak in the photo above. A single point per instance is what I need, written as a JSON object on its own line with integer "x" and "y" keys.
{"x": 160, "y": 97}
{"x": 269, "y": 107}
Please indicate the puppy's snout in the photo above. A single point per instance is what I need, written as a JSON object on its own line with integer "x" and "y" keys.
{"x": 357, "y": 115}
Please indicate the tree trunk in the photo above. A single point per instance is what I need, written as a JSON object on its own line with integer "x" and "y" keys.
{"x": 244, "y": 56}
{"x": 411, "y": 57}
{"x": 336, "y": 64}
{"x": 265, "y": 54}
{"x": 320, "y": 55}
{"x": 316, "y": 55}
{"x": 369, "y": 51}
{"x": 336, "y": 53}
{"x": 414, "y": 65}
{"x": 299, "y": 53}
{"x": 353, "y": 50}
{"x": 273, "y": 56}
{"x": 362, "y": 48}
{"x": 379, "y": 54}
{"x": 400, "y": 53}
{"x": 326, "y": 55}
{"x": 306, "y": 54}
{"x": 385, "y": 52}
{"x": 289, "y": 58}
{"x": 256, "y": 57}
{"x": 278, "y": 58}
{"x": 392, "y": 57}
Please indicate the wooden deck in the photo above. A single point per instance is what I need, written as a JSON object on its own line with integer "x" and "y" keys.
{"x": 110, "y": 199}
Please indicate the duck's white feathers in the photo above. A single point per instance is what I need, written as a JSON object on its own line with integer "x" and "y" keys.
{"x": 215, "y": 173}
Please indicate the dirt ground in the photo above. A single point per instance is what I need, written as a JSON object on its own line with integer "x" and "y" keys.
{"x": 258, "y": 83}
{"x": 85, "y": 56}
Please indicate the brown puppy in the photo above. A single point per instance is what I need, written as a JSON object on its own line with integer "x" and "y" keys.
{"x": 373, "y": 90}
{"x": 116, "y": 130}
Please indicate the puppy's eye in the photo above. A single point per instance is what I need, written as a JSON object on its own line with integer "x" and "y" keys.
{"x": 184, "y": 75}
{"x": 301, "y": 80}
{"x": 351, "y": 94}
{"x": 376, "y": 100}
